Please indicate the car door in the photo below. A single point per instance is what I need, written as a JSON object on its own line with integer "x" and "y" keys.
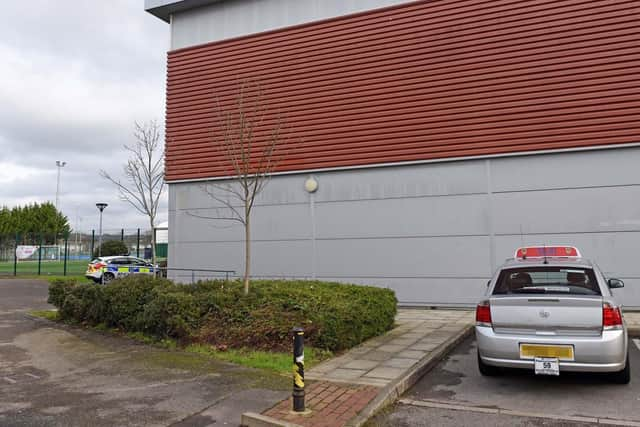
{"x": 123, "y": 266}
{"x": 142, "y": 267}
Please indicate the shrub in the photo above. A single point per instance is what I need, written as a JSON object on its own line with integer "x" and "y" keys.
{"x": 58, "y": 290}
{"x": 84, "y": 303}
{"x": 335, "y": 316}
{"x": 110, "y": 248}
{"x": 126, "y": 299}
{"x": 170, "y": 313}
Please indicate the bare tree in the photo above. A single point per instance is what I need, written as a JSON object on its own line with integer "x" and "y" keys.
{"x": 249, "y": 139}
{"x": 143, "y": 183}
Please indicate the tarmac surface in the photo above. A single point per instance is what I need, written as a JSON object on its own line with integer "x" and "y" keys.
{"x": 455, "y": 394}
{"x": 57, "y": 375}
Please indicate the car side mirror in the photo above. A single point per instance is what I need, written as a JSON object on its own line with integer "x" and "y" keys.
{"x": 615, "y": 283}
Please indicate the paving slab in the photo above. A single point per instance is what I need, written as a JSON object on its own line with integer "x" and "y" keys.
{"x": 398, "y": 362}
{"x": 411, "y": 354}
{"x": 362, "y": 364}
{"x": 385, "y": 373}
{"x": 376, "y": 355}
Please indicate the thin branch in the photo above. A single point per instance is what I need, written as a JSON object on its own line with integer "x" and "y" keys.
{"x": 222, "y": 218}
{"x": 143, "y": 183}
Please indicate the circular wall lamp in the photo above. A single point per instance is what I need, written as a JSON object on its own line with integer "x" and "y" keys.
{"x": 311, "y": 185}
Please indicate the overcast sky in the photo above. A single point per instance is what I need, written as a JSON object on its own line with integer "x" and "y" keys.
{"x": 74, "y": 76}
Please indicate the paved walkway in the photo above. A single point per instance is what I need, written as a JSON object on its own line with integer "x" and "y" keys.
{"x": 381, "y": 360}
{"x": 347, "y": 385}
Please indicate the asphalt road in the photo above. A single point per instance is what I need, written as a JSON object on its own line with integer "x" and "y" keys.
{"x": 55, "y": 375}
{"x": 455, "y": 394}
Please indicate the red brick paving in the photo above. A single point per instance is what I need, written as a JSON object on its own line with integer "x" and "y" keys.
{"x": 331, "y": 404}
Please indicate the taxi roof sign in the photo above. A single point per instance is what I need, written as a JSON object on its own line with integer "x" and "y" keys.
{"x": 547, "y": 252}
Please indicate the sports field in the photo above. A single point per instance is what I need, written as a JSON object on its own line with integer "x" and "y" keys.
{"x": 47, "y": 268}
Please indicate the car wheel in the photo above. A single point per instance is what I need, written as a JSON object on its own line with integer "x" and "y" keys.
{"x": 623, "y": 376}
{"x": 107, "y": 277}
{"x": 487, "y": 370}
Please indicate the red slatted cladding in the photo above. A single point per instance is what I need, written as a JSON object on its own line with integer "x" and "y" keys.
{"x": 426, "y": 80}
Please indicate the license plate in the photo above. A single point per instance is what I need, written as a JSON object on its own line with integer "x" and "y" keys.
{"x": 547, "y": 366}
{"x": 561, "y": 352}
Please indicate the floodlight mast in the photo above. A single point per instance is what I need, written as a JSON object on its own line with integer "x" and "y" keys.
{"x": 101, "y": 207}
{"x": 60, "y": 165}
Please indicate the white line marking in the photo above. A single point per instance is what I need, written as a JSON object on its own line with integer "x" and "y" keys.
{"x": 636, "y": 341}
{"x": 32, "y": 376}
{"x": 498, "y": 411}
{"x": 10, "y": 380}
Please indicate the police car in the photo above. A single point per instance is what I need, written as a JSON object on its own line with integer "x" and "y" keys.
{"x": 105, "y": 269}
{"x": 551, "y": 311}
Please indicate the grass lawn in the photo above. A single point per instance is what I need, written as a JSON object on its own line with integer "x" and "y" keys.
{"x": 47, "y": 268}
{"x": 279, "y": 362}
{"x": 46, "y": 314}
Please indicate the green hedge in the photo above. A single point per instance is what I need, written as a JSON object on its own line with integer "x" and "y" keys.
{"x": 335, "y": 316}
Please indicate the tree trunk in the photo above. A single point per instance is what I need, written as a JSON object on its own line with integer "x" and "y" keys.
{"x": 247, "y": 253}
{"x": 153, "y": 242}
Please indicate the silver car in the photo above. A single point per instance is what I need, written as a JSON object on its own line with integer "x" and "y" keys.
{"x": 551, "y": 311}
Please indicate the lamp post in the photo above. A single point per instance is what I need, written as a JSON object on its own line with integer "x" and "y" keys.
{"x": 60, "y": 165}
{"x": 101, "y": 207}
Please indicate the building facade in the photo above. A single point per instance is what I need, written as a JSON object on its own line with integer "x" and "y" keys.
{"x": 442, "y": 134}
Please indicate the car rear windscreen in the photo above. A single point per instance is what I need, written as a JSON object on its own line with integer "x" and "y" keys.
{"x": 547, "y": 280}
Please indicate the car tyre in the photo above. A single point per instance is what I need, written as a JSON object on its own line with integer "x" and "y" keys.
{"x": 107, "y": 277}
{"x": 623, "y": 376}
{"x": 487, "y": 370}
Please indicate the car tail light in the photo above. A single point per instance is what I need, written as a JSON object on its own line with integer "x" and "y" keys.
{"x": 483, "y": 314}
{"x": 611, "y": 317}
{"x": 99, "y": 265}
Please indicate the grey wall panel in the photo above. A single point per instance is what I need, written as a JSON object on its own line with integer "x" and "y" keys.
{"x": 421, "y": 292}
{"x": 404, "y": 257}
{"x": 395, "y": 182}
{"x": 437, "y": 179}
{"x": 406, "y": 217}
{"x": 432, "y": 232}
{"x": 234, "y": 18}
{"x": 273, "y": 259}
{"x": 601, "y": 168}
{"x": 599, "y": 209}
{"x": 268, "y": 223}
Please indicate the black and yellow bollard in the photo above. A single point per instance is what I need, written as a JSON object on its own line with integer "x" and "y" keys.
{"x": 298, "y": 370}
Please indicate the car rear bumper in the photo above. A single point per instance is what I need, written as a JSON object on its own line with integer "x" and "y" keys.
{"x": 603, "y": 353}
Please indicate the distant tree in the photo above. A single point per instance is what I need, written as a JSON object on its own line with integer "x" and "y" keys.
{"x": 143, "y": 183}
{"x": 34, "y": 221}
{"x": 249, "y": 158}
{"x": 111, "y": 247}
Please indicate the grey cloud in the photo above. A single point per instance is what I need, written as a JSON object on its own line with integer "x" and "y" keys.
{"x": 78, "y": 74}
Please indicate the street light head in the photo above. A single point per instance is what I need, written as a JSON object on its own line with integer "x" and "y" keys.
{"x": 60, "y": 164}
{"x": 101, "y": 206}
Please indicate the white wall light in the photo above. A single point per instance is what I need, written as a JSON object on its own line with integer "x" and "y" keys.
{"x": 311, "y": 185}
